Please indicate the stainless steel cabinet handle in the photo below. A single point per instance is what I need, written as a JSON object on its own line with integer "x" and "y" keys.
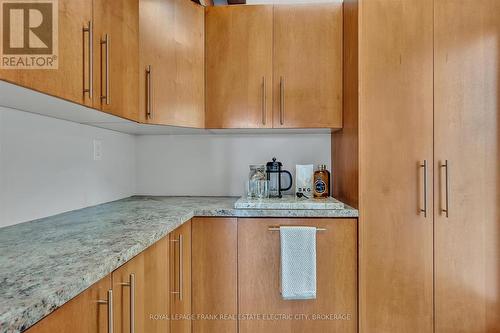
{"x": 109, "y": 302}
{"x": 282, "y": 100}
{"x": 106, "y": 41}
{"x": 264, "y": 97}
{"x": 446, "y": 210}
{"x": 131, "y": 284}
{"x": 424, "y": 166}
{"x": 149, "y": 99}
{"x": 181, "y": 266}
{"x": 90, "y": 30}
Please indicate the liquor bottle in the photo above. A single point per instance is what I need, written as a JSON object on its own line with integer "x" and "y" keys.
{"x": 322, "y": 182}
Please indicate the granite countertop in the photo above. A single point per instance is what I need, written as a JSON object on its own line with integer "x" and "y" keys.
{"x": 46, "y": 262}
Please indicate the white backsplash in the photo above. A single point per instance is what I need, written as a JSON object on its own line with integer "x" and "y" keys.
{"x": 218, "y": 164}
{"x": 47, "y": 166}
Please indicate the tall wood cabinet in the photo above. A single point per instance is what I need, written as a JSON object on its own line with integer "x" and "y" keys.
{"x": 467, "y": 166}
{"x": 259, "y": 278}
{"x": 71, "y": 77}
{"x": 422, "y": 125}
{"x": 171, "y": 79}
{"x": 116, "y": 57}
{"x": 396, "y": 110}
{"x": 274, "y": 66}
{"x": 180, "y": 279}
{"x": 215, "y": 274}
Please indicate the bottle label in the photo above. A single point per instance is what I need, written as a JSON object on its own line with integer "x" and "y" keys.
{"x": 320, "y": 186}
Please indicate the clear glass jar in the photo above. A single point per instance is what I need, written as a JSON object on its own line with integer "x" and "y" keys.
{"x": 256, "y": 178}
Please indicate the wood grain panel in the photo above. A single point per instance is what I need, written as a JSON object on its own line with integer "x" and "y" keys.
{"x": 156, "y": 287}
{"x": 157, "y": 49}
{"x": 308, "y": 56}
{"x": 120, "y": 20}
{"x": 396, "y": 135}
{"x": 345, "y": 142}
{"x": 69, "y": 79}
{"x": 259, "y": 277}
{"x": 467, "y": 123}
{"x": 80, "y": 315}
{"x": 121, "y": 295}
{"x": 180, "y": 308}
{"x": 239, "y": 46}
{"x": 172, "y": 43}
{"x": 215, "y": 282}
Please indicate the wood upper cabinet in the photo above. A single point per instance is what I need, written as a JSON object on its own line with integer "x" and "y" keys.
{"x": 116, "y": 57}
{"x": 128, "y": 296}
{"x": 239, "y": 63}
{"x": 396, "y": 137}
{"x": 307, "y": 72}
{"x": 180, "y": 279}
{"x": 171, "y": 74}
{"x": 274, "y": 66}
{"x": 214, "y": 275}
{"x": 83, "y": 314}
{"x": 467, "y": 136}
{"x": 71, "y": 77}
{"x": 259, "y": 277}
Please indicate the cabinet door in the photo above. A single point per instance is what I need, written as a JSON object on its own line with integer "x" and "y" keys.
{"x": 128, "y": 296}
{"x": 172, "y": 79}
{"x": 467, "y": 124}
{"x": 180, "y": 279}
{"x": 215, "y": 285}
{"x": 396, "y": 136}
{"x": 308, "y": 66}
{"x": 71, "y": 77}
{"x": 259, "y": 278}
{"x": 156, "y": 287}
{"x": 116, "y": 57}
{"x": 239, "y": 42}
{"x": 82, "y": 314}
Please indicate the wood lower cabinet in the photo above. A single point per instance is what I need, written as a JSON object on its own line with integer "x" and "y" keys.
{"x": 116, "y": 57}
{"x": 128, "y": 296}
{"x": 180, "y": 279}
{"x": 467, "y": 166}
{"x": 141, "y": 291}
{"x": 71, "y": 77}
{"x": 259, "y": 278}
{"x": 156, "y": 287}
{"x": 239, "y": 62}
{"x": 307, "y": 66}
{"x": 83, "y": 314}
{"x": 171, "y": 75}
{"x": 214, "y": 275}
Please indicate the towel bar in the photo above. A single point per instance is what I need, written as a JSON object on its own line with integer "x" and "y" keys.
{"x": 278, "y": 228}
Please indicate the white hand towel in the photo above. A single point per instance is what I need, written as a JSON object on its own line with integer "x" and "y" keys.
{"x": 298, "y": 263}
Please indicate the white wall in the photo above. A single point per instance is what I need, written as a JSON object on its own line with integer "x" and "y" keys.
{"x": 47, "y": 166}
{"x": 218, "y": 164}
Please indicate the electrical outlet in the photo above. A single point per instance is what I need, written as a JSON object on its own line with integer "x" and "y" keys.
{"x": 97, "y": 150}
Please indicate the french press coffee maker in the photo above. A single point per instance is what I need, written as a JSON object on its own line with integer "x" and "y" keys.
{"x": 273, "y": 171}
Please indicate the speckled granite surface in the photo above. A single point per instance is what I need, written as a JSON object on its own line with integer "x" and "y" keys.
{"x": 47, "y": 262}
{"x": 288, "y": 202}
